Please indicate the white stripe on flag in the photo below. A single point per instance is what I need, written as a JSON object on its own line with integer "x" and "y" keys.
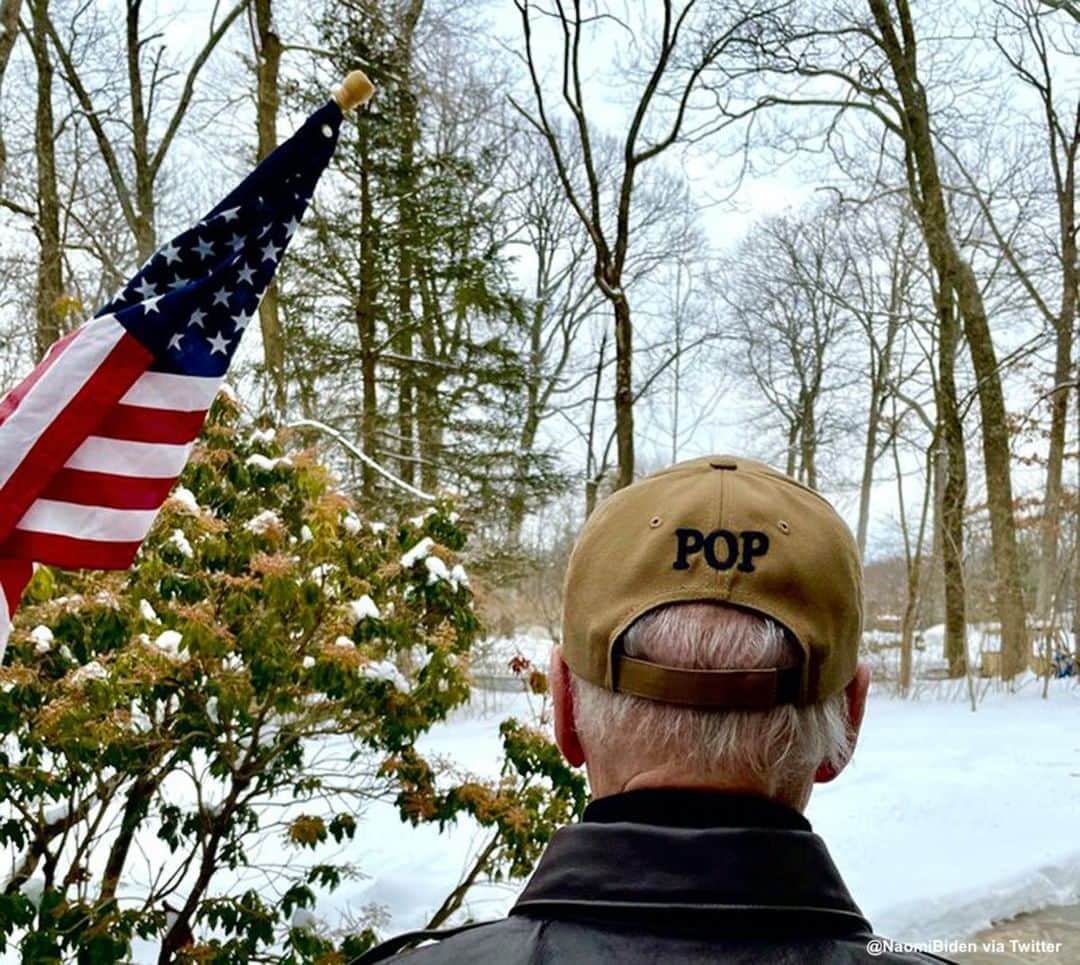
{"x": 180, "y": 393}
{"x": 87, "y": 522}
{"x": 49, "y": 396}
{"x": 120, "y": 457}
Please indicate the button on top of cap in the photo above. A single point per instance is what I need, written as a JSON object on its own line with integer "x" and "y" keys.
{"x": 723, "y": 464}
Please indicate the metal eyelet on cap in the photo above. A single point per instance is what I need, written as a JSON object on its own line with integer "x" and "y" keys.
{"x": 655, "y": 521}
{"x": 783, "y": 526}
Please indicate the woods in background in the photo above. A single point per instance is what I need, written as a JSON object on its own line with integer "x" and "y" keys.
{"x": 549, "y": 258}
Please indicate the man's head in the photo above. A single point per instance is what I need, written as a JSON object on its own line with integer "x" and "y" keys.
{"x": 710, "y": 635}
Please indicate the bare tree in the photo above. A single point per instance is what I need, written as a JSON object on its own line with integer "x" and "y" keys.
{"x": 790, "y": 329}
{"x": 562, "y": 297}
{"x": 914, "y": 545}
{"x": 1034, "y": 51}
{"x": 670, "y": 61}
{"x": 870, "y": 65}
{"x": 138, "y": 143}
{"x": 877, "y": 289}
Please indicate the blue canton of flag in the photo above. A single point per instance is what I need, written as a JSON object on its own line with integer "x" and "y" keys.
{"x": 191, "y": 302}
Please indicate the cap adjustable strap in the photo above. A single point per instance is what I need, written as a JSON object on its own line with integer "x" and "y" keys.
{"x": 715, "y": 689}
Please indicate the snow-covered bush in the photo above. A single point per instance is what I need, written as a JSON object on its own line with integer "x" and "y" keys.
{"x": 265, "y": 669}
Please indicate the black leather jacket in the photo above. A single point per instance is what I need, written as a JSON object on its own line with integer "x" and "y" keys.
{"x": 671, "y": 876}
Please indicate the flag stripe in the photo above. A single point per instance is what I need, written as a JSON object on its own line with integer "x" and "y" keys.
{"x": 87, "y": 522}
{"x": 108, "y": 489}
{"x": 10, "y": 402}
{"x": 69, "y": 553}
{"x": 182, "y": 393}
{"x": 122, "y": 458}
{"x": 139, "y": 424}
{"x": 44, "y": 446}
{"x": 54, "y": 389}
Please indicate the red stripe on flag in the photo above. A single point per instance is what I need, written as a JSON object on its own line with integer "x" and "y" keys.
{"x": 103, "y": 489}
{"x": 10, "y": 402}
{"x": 70, "y": 553}
{"x": 14, "y": 575}
{"x": 124, "y": 364}
{"x": 135, "y": 423}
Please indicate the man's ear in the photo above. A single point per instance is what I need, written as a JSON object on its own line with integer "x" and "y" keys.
{"x": 562, "y": 698}
{"x": 855, "y": 693}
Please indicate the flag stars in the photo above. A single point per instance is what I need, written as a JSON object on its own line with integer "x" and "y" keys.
{"x": 151, "y": 304}
{"x": 174, "y": 342}
{"x": 197, "y": 318}
{"x": 221, "y": 297}
{"x": 242, "y": 321}
{"x": 291, "y": 225}
{"x": 247, "y": 274}
{"x": 177, "y": 283}
{"x": 170, "y": 253}
{"x": 146, "y": 289}
{"x": 229, "y": 214}
{"x": 204, "y": 249}
{"x": 236, "y": 242}
{"x": 271, "y": 252}
{"x": 218, "y": 344}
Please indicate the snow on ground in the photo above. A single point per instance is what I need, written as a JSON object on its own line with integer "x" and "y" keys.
{"x": 948, "y": 819}
{"x": 944, "y": 820}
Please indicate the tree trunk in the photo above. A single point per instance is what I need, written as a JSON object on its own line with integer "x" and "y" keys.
{"x": 624, "y": 391}
{"x": 1050, "y": 528}
{"x": 996, "y": 456}
{"x": 267, "y": 64}
{"x": 530, "y": 425}
{"x": 809, "y": 444}
{"x": 365, "y": 320}
{"x": 50, "y": 267}
{"x": 1070, "y": 282}
{"x": 866, "y": 482}
{"x": 143, "y": 226}
{"x": 428, "y": 386}
{"x": 953, "y": 487}
{"x": 934, "y": 599}
{"x": 791, "y": 466}
{"x": 406, "y": 241}
{"x": 957, "y": 275}
{"x": 9, "y": 31}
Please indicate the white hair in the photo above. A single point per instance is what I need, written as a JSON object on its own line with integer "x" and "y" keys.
{"x": 782, "y": 746}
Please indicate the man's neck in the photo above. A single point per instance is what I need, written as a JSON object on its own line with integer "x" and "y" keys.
{"x": 694, "y": 808}
{"x": 795, "y": 795}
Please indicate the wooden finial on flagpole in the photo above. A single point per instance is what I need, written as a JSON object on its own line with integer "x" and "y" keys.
{"x": 355, "y": 90}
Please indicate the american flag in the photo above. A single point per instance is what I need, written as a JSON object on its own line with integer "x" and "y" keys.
{"x": 92, "y": 441}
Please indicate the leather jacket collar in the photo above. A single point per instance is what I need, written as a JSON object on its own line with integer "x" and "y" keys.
{"x": 693, "y": 859}
{"x": 694, "y": 808}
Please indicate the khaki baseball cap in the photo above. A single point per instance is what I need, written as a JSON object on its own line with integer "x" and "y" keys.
{"x": 719, "y": 529}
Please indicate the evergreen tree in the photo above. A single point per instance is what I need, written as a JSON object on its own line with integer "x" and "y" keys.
{"x": 403, "y": 315}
